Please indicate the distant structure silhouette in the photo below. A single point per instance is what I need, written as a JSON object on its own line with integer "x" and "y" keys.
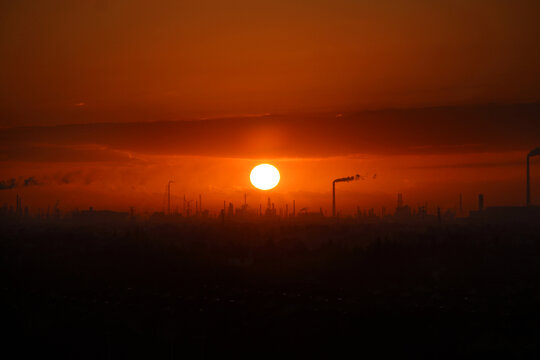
{"x": 403, "y": 212}
{"x": 345, "y": 179}
{"x": 480, "y": 202}
{"x": 534, "y": 152}
{"x": 18, "y": 206}
{"x": 169, "y": 197}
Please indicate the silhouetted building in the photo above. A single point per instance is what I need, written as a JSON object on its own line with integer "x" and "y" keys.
{"x": 403, "y": 212}
{"x": 507, "y": 214}
{"x": 101, "y": 216}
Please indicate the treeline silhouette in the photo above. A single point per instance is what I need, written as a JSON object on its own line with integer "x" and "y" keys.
{"x": 261, "y": 290}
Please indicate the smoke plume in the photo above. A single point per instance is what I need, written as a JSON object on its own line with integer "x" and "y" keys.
{"x": 7, "y": 184}
{"x": 534, "y": 152}
{"x": 21, "y": 182}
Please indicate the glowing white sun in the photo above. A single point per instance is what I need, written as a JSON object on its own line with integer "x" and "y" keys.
{"x": 264, "y": 176}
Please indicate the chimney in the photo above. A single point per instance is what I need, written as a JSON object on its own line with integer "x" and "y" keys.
{"x": 345, "y": 179}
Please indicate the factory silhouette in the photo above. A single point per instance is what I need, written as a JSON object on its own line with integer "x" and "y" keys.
{"x": 270, "y": 180}
{"x": 265, "y": 281}
{"x": 402, "y": 213}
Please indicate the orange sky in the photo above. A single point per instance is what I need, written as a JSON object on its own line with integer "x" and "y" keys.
{"x": 130, "y": 60}
{"x": 430, "y": 155}
{"x": 436, "y": 180}
{"x": 303, "y": 84}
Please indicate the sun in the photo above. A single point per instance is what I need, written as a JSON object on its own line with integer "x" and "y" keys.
{"x": 264, "y": 176}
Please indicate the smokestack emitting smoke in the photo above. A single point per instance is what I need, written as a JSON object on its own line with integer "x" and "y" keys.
{"x": 345, "y": 179}
{"x": 534, "y": 152}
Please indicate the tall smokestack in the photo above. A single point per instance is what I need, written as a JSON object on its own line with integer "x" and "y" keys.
{"x": 345, "y": 179}
{"x": 334, "y": 198}
{"x": 533, "y": 152}
{"x": 293, "y": 207}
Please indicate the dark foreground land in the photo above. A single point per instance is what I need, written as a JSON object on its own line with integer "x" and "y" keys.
{"x": 261, "y": 290}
